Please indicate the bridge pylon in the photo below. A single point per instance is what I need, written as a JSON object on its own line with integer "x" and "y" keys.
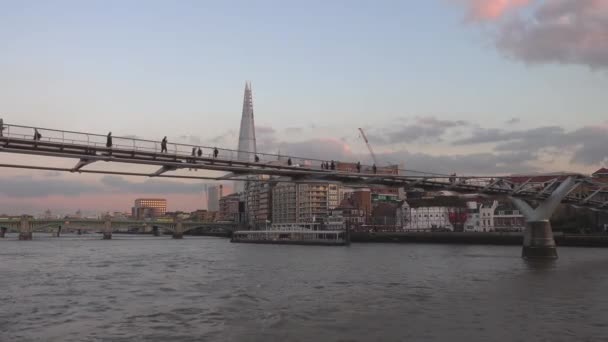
{"x": 178, "y": 232}
{"x": 107, "y": 228}
{"x": 538, "y": 234}
{"x": 25, "y": 228}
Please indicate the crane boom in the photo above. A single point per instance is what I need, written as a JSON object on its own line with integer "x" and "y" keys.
{"x": 369, "y": 147}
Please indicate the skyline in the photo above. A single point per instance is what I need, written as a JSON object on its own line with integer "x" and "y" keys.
{"x": 444, "y": 86}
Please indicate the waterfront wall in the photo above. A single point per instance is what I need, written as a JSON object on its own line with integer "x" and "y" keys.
{"x": 475, "y": 238}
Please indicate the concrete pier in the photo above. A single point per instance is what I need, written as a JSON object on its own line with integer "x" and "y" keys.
{"x": 178, "y": 233}
{"x": 538, "y": 241}
{"x": 107, "y": 229}
{"x": 538, "y": 235}
{"x": 25, "y": 229}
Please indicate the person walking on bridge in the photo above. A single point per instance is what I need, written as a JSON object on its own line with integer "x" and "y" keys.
{"x": 289, "y": 161}
{"x": 215, "y": 152}
{"x": 193, "y": 161}
{"x": 163, "y": 145}
{"x": 358, "y": 167}
{"x": 374, "y": 168}
{"x": 332, "y": 165}
{"x": 37, "y": 135}
{"x": 109, "y": 143}
{"x": 1, "y": 126}
{"x": 256, "y": 158}
{"x": 200, "y": 152}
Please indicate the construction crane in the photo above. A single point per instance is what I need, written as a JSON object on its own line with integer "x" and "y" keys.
{"x": 369, "y": 147}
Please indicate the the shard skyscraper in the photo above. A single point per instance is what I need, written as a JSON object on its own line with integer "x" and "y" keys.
{"x": 246, "y": 148}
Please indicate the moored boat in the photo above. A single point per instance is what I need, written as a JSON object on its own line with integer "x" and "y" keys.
{"x": 293, "y": 237}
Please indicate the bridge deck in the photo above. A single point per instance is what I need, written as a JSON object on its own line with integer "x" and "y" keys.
{"x": 88, "y": 148}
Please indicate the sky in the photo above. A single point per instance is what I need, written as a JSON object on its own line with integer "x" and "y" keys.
{"x": 467, "y": 86}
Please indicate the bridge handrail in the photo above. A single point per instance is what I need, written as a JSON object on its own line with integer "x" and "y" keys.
{"x": 139, "y": 147}
{"x": 180, "y": 149}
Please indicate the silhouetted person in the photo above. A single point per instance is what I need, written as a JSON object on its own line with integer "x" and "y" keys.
{"x": 1, "y": 126}
{"x": 163, "y": 145}
{"x": 289, "y": 161}
{"x": 37, "y": 134}
{"x": 215, "y": 152}
{"x": 193, "y": 161}
{"x": 200, "y": 152}
{"x": 374, "y": 168}
{"x": 323, "y": 165}
{"x": 332, "y": 165}
{"x": 358, "y": 167}
{"x": 256, "y": 158}
{"x": 109, "y": 140}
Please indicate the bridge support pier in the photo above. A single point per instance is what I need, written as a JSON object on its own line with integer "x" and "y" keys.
{"x": 2, "y": 232}
{"x": 538, "y": 234}
{"x": 25, "y": 229}
{"x": 107, "y": 229}
{"x": 538, "y": 241}
{"x": 178, "y": 233}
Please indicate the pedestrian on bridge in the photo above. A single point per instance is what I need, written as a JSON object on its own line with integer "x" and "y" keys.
{"x": 289, "y": 161}
{"x": 193, "y": 161}
{"x": 1, "y": 126}
{"x": 256, "y": 158}
{"x": 163, "y": 145}
{"x": 215, "y": 152}
{"x": 109, "y": 140}
{"x": 374, "y": 168}
{"x": 200, "y": 152}
{"x": 37, "y": 135}
{"x": 358, "y": 167}
{"x": 332, "y": 165}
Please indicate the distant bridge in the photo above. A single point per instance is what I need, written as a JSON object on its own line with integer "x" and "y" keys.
{"x": 26, "y": 225}
{"x": 549, "y": 190}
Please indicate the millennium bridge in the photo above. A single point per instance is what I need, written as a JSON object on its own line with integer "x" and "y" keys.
{"x": 536, "y": 196}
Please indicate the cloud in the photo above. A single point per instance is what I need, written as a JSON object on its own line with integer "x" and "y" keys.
{"x": 263, "y": 130}
{"x": 471, "y": 164}
{"x": 150, "y": 186}
{"x": 588, "y": 145}
{"x": 556, "y": 31}
{"x": 494, "y": 135}
{"x": 423, "y": 129}
{"x": 52, "y": 185}
{"x": 27, "y": 186}
{"x": 560, "y": 31}
{"x": 483, "y": 10}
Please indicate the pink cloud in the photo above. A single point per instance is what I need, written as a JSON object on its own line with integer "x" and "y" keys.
{"x": 96, "y": 203}
{"x": 482, "y": 10}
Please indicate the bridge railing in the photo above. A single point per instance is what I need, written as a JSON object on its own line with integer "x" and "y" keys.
{"x": 98, "y": 141}
{"x": 184, "y": 151}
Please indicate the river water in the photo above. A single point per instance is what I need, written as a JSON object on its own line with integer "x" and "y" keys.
{"x": 136, "y": 288}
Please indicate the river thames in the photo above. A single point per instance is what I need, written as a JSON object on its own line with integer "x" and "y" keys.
{"x": 141, "y": 288}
